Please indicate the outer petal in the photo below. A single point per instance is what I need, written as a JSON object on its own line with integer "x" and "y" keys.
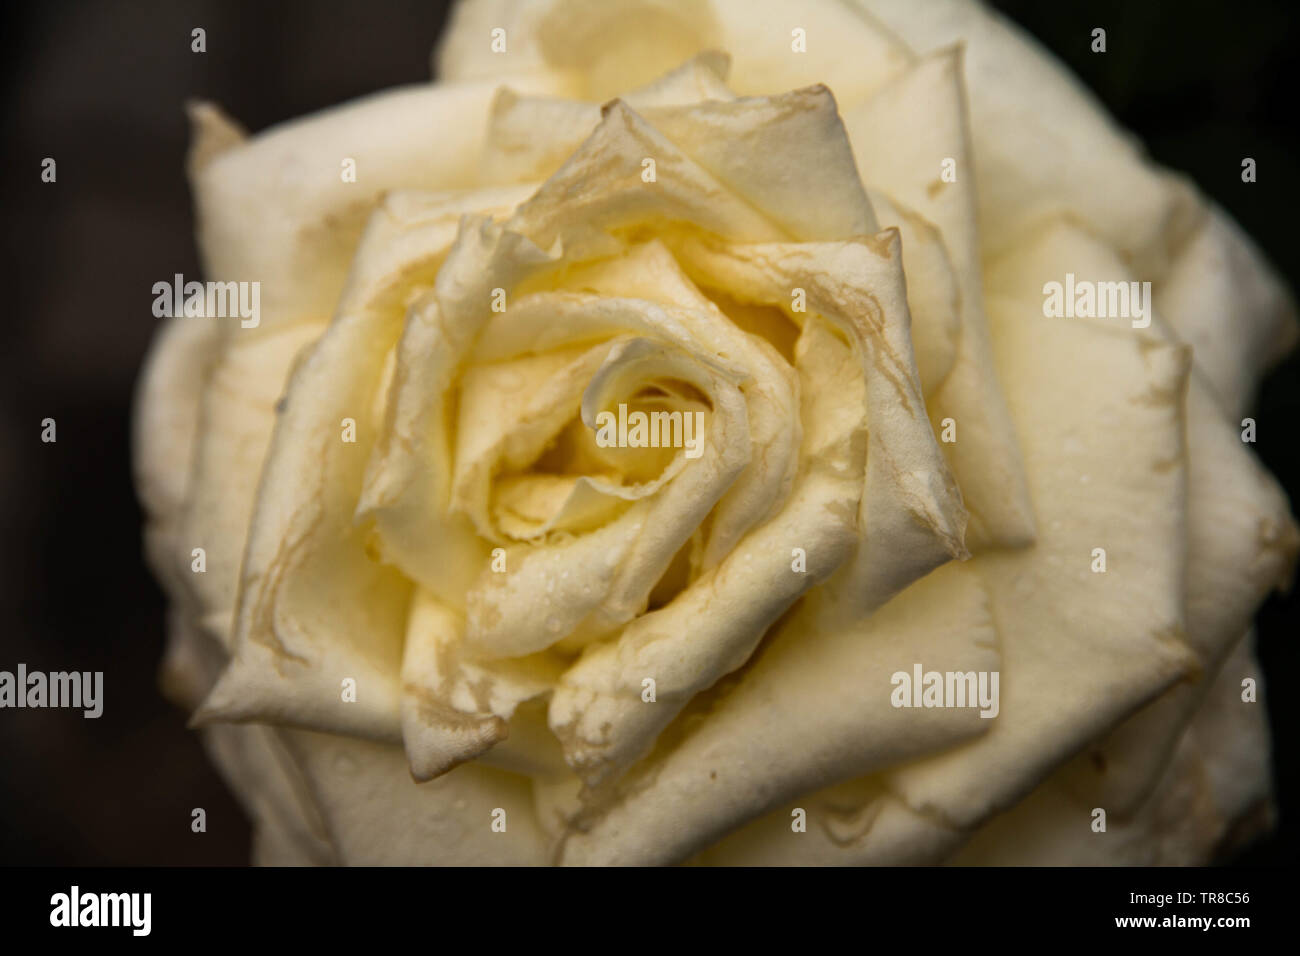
{"x": 1100, "y": 414}
{"x": 1242, "y": 543}
{"x": 1241, "y": 539}
{"x": 238, "y": 414}
{"x": 1215, "y": 794}
{"x": 1079, "y": 651}
{"x": 375, "y": 815}
{"x": 608, "y": 48}
{"x": 164, "y": 433}
{"x": 277, "y": 209}
{"x": 859, "y": 823}
{"x": 1044, "y": 146}
{"x": 1223, "y": 300}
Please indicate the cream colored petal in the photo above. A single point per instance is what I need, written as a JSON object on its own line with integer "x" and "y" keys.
{"x": 1242, "y": 543}
{"x": 710, "y": 629}
{"x": 1215, "y": 794}
{"x": 691, "y": 322}
{"x": 764, "y": 149}
{"x": 600, "y": 189}
{"x": 273, "y": 846}
{"x": 702, "y": 77}
{"x": 164, "y": 437}
{"x": 603, "y": 49}
{"x": 812, "y": 709}
{"x": 1079, "y": 651}
{"x": 761, "y": 148}
{"x": 1042, "y": 143}
{"x": 911, "y": 517}
{"x": 278, "y": 210}
{"x": 848, "y": 49}
{"x": 212, "y": 133}
{"x": 256, "y": 765}
{"x": 251, "y": 759}
{"x": 169, "y": 398}
{"x": 1101, "y": 417}
{"x": 376, "y": 815}
{"x": 454, "y": 709}
{"x": 408, "y": 482}
{"x": 203, "y": 420}
{"x": 906, "y": 160}
{"x": 530, "y": 137}
{"x": 508, "y": 413}
{"x": 237, "y": 419}
{"x": 191, "y": 660}
{"x": 933, "y": 297}
{"x": 613, "y": 47}
{"x": 1223, "y": 299}
{"x": 315, "y": 611}
{"x": 851, "y": 824}
{"x": 178, "y": 364}
{"x": 1241, "y": 538}
{"x": 466, "y": 48}
{"x": 587, "y": 586}
{"x": 1233, "y": 740}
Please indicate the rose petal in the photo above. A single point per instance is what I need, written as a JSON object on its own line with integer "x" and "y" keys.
{"x": 1242, "y": 543}
{"x": 1222, "y": 299}
{"x": 164, "y": 432}
{"x": 762, "y": 148}
{"x": 1044, "y": 145}
{"x": 605, "y": 49}
{"x": 933, "y": 299}
{"x": 277, "y": 210}
{"x": 375, "y": 815}
{"x": 530, "y": 137}
{"x": 585, "y": 587}
{"x": 600, "y": 189}
{"x": 757, "y": 146}
{"x": 1215, "y": 793}
{"x": 238, "y": 415}
{"x": 454, "y": 709}
{"x": 1100, "y": 415}
{"x": 315, "y": 610}
{"x": 905, "y": 159}
{"x": 813, "y": 708}
{"x": 713, "y": 626}
{"x": 911, "y": 518}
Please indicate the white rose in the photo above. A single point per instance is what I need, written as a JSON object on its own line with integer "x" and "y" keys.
{"x": 477, "y": 615}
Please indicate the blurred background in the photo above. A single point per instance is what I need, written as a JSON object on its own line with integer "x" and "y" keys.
{"x": 100, "y": 86}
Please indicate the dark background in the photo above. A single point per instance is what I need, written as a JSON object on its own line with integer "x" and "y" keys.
{"x": 100, "y": 86}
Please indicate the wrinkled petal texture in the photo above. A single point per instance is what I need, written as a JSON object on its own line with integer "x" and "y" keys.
{"x": 670, "y": 378}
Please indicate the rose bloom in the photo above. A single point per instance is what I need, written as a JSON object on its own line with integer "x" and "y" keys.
{"x": 435, "y": 620}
